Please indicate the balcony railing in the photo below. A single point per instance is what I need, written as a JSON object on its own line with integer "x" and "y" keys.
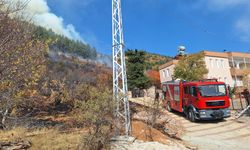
{"x": 238, "y": 83}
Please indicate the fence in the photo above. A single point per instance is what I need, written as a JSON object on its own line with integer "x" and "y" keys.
{"x": 238, "y": 103}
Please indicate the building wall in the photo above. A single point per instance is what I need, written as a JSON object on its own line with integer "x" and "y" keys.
{"x": 226, "y": 67}
{"x": 166, "y": 73}
{"x": 219, "y": 68}
{"x": 239, "y": 62}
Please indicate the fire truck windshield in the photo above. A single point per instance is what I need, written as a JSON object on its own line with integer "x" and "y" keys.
{"x": 212, "y": 90}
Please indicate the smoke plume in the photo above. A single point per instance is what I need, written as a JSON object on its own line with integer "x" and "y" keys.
{"x": 41, "y": 15}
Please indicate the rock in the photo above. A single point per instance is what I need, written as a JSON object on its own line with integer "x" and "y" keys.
{"x": 139, "y": 145}
{"x": 18, "y": 145}
{"x": 191, "y": 147}
{"x": 123, "y": 138}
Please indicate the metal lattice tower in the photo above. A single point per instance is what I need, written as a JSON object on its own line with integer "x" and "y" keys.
{"x": 120, "y": 88}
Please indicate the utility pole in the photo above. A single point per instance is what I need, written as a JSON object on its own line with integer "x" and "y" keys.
{"x": 120, "y": 88}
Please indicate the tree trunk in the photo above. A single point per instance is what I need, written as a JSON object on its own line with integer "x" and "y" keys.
{"x": 5, "y": 116}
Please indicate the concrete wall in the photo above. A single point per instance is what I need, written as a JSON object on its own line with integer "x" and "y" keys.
{"x": 166, "y": 73}
{"x": 219, "y": 68}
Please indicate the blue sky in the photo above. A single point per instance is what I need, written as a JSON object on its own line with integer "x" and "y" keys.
{"x": 160, "y": 26}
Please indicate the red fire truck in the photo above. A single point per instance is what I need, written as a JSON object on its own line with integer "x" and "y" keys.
{"x": 199, "y": 100}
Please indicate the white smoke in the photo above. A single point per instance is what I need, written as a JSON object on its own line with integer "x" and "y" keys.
{"x": 41, "y": 15}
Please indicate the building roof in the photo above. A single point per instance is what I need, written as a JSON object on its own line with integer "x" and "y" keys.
{"x": 211, "y": 54}
{"x": 226, "y": 54}
{"x": 172, "y": 62}
{"x": 238, "y": 54}
{"x": 215, "y": 54}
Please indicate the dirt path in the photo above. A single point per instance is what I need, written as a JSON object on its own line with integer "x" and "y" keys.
{"x": 229, "y": 134}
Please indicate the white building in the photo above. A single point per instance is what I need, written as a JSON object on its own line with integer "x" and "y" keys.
{"x": 227, "y": 67}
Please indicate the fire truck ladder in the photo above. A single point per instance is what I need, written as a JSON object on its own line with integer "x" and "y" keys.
{"x": 243, "y": 111}
{"x": 120, "y": 88}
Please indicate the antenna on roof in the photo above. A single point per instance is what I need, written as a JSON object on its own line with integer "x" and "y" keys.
{"x": 181, "y": 50}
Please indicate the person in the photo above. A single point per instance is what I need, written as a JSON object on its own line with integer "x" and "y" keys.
{"x": 157, "y": 95}
{"x": 246, "y": 95}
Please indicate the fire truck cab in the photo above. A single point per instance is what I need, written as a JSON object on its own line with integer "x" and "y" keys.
{"x": 199, "y": 100}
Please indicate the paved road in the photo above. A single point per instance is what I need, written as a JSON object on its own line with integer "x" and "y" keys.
{"x": 217, "y": 135}
{"x": 229, "y": 134}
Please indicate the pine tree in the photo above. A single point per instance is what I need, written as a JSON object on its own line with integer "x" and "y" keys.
{"x": 136, "y": 67}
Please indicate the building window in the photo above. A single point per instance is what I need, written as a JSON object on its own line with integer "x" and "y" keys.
{"x": 211, "y": 63}
{"x": 217, "y": 63}
{"x": 222, "y": 64}
{"x": 167, "y": 72}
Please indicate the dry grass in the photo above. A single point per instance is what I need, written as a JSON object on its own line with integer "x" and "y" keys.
{"x": 45, "y": 139}
{"x": 12, "y": 135}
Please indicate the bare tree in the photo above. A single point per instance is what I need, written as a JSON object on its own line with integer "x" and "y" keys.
{"x": 21, "y": 57}
{"x": 246, "y": 79}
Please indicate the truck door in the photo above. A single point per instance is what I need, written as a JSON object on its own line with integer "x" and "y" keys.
{"x": 193, "y": 96}
{"x": 186, "y": 95}
{"x": 177, "y": 103}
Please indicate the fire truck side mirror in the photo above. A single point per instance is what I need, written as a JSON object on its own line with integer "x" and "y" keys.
{"x": 228, "y": 89}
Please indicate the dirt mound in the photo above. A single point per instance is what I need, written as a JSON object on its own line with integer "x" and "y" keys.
{"x": 163, "y": 123}
{"x": 142, "y": 132}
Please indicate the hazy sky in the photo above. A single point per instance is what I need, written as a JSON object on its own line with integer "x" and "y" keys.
{"x": 158, "y": 26}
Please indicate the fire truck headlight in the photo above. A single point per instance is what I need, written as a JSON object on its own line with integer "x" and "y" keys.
{"x": 202, "y": 113}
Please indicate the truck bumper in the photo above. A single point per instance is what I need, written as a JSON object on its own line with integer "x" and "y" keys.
{"x": 204, "y": 114}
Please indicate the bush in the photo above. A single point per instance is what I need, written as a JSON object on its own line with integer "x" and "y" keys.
{"x": 232, "y": 92}
{"x": 96, "y": 112}
{"x": 99, "y": 139}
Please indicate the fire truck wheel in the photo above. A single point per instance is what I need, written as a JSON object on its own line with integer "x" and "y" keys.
{"x": 169, "y": 107}
{"x": 191, "y": 116}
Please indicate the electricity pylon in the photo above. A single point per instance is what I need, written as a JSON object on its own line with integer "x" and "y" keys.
{"x": 120, "y": 88}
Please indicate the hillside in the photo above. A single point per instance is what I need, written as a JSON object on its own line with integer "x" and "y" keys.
{"x": 153, "y": 61}
{"x": 59, "y": 43}
{"x": 41, "y": 72}
{"x": 54, "y": 84}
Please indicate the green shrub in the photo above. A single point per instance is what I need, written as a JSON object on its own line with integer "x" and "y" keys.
{"x": 96, "y": 112}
